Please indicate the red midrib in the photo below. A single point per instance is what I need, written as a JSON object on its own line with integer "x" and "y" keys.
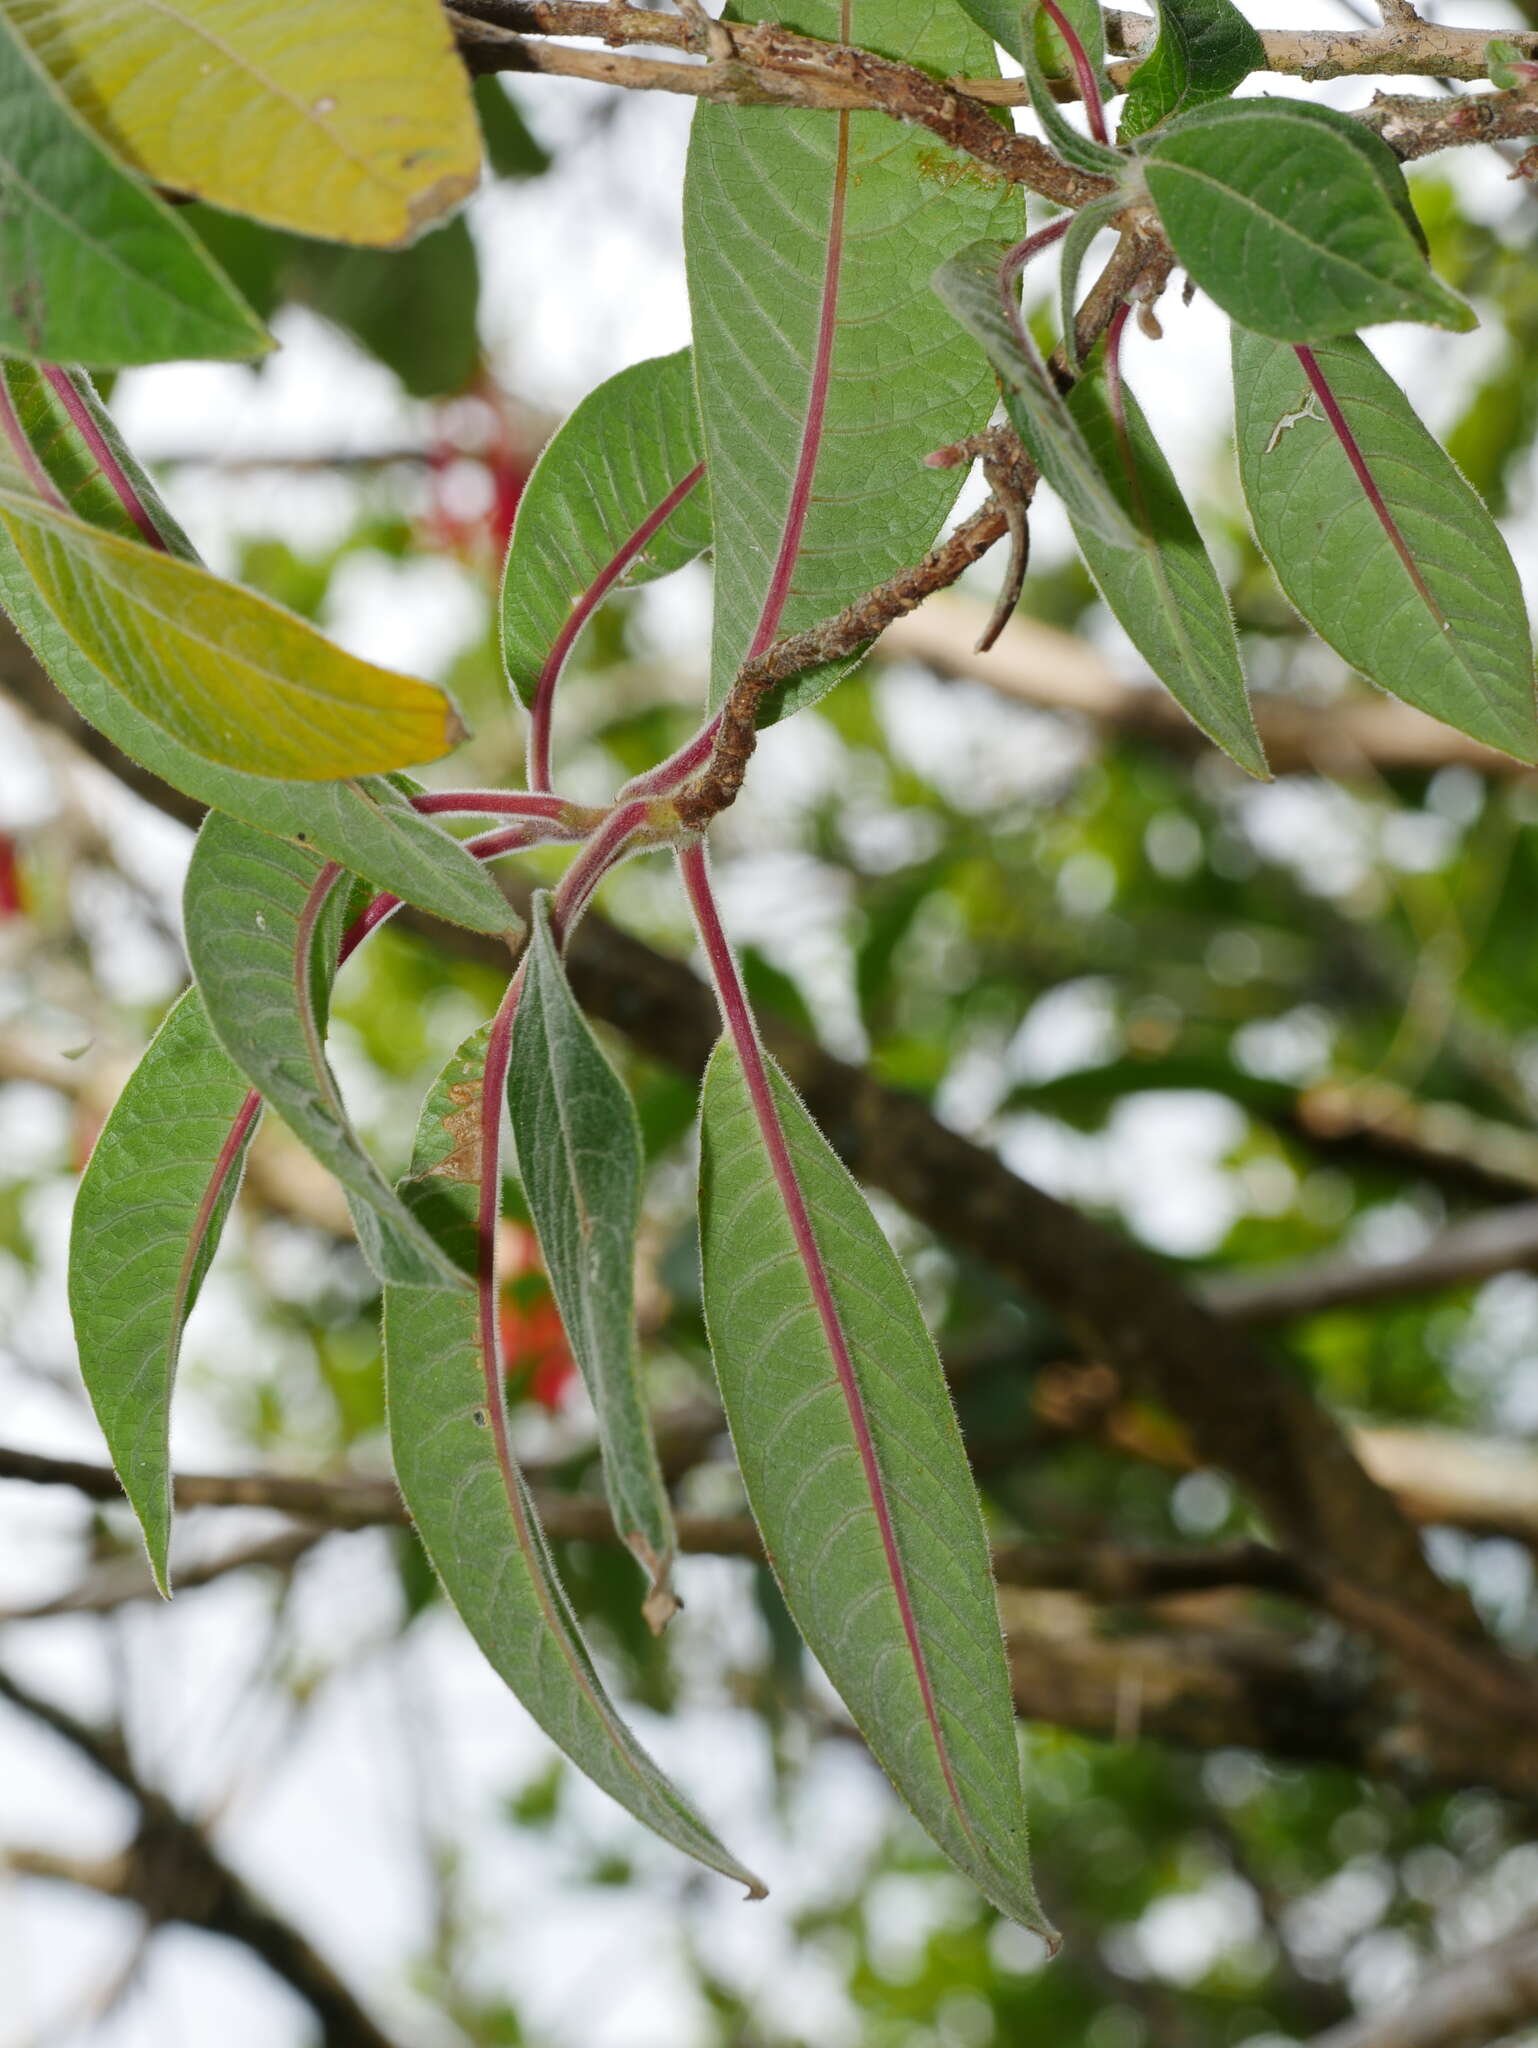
{"x": 1364, "y": 476}
{"x": 739, "y": 1022}
{"x": 817, "y": 399}
{"x": 582, "y": 611}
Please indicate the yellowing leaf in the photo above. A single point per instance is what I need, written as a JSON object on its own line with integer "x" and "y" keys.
{"x": 230, "y": 675}
{"x": 351, "y": 120}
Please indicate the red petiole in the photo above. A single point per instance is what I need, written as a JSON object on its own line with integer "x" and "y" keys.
{"x": 1083, "y": 71}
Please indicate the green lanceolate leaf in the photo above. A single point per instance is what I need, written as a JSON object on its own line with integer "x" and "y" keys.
{"x": 462, "y": 1486}
{"x": 825, "y": 371}
{"x": 94, "y": 268}
{"x": 227, "y": 674}
{"x": 262, "y": 940}
{"x": 1293, "y": 218}
{"x": 1205, "y": 49}
{"x": 856, "y": 1474}
{"x": 617, "y": 498}
{"x": 367, "y": 822}
{"x": 970, "y": 287}
{"x": 579, "y": 1153}
{"x": 1077, "y": 243}
{"x": 148, "y": 1217}
{"x": 364, "y": 132}
{"x": 1165, "y": 592}
{"x": 1071, "y": 145}
{"x": 1382, "y": 547}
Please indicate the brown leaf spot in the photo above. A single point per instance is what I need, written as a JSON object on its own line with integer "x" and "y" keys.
{"x": 463, "y": 1124}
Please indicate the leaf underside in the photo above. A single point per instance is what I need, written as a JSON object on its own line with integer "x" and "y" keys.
{"x": 477, "y": 1520}
{"x": 95, "y": 269}
{"x": 825, "y": 370}
{"x": 585, "y": 522}
{"x": 357, "y": 126}
{"x": 579, "y": 1155}
{"x": 266, "y": 992}
{"x": 933, "y": 1699}
{"x": 151, "y": 1206}
{"x": 1451, "y": 638}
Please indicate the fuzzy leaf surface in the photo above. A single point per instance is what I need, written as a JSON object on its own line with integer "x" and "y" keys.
{"x": 1450, "y": 634}
{"x": 366, "y": 822}
{"x": 1165, "y": 592}
{"x": 353, "y": 122}
{"x": 469, "y": 1501}
{"x": 617, "y": 498}
{"x": 580, "y": 1158}
{"x": 266, "y": 983}
{"x": 149, "y": 1213}
{"x": 1205, "y": 49}
{"x": 912, "y": 1645}
{"x": 1292, "y": 217}
{"x": 825, "y": 370}
{"x": 969, "y": 288}
{"x": 223, "y": 672}
{"x": 96, "y": 269}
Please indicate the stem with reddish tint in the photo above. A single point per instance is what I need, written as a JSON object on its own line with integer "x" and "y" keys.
{"x": 508, "y": 803}
{"x": 737, "y": 1015}
{"x": 1014, "y": 262}
{"x": 1341, "y": 427}
{"x": 609, "y": 845}
{"x": 1021, "y": 254}
{"x": 678, "y": 767}
{"x": 581, "y": 612}
{"x": 1083, "y": 71}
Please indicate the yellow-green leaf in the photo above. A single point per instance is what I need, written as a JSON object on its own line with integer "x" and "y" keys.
{"x": 228, "y": 674}
{"x": 351, "y": 120}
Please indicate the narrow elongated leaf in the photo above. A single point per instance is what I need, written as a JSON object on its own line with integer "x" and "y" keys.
{"x": 263, "y": 946}
{"x": 225, "y": 673}
{"x": 366, "y": 822}
{"x": 1291, "y": 216}
{"x": 1382, "y": 547}
{"x": 149, "y": 1213}
{"x": 579, "y": 1152}
{"x": 856, "y": 1474}
{"x": 1165, "y": 592}
{"x": 353, "y": 122}
{"x": 1205, "y": 49}
{"x": 618, "y": 497}
{"x": 970, "y": 287}
{"x": 826, "y": 372}
{"x": 95, "y": 268}
{"x": 1085, "y": 225}
{"x": 461, "y": 1483}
